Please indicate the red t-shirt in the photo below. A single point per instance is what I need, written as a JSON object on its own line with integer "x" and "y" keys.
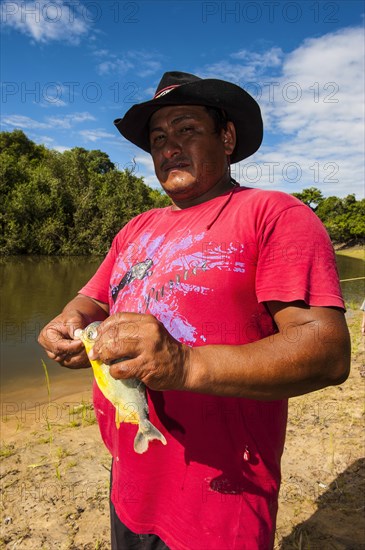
{"x": 206, "y": 272}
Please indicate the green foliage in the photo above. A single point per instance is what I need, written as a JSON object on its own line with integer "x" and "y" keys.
{"x": 344, "y": 218}
{"x": 311, "y": 196}
{"x": 70, "y": 203}
{"x": 74, "y": 203}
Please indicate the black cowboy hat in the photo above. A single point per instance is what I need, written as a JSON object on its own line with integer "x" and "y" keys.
{"x": 176, "y": 88}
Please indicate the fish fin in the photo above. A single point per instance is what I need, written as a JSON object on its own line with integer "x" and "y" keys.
{"x": 146, "y": 433}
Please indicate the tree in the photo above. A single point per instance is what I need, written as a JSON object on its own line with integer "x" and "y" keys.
{"x": 344, "y": 218}
{"x": 17, "y": 144}
{"x": 73, "y": 203}
{"x": 65, "y": 203}
{"x": 311, "y": 196}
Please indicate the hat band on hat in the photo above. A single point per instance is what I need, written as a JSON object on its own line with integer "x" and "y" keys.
{"x": 166, "y": 90}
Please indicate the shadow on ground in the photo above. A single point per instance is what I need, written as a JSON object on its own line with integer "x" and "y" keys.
{"x": 339, "y": 522}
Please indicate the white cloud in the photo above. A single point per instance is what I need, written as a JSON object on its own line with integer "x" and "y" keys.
{"x": 68, "y": 121}
{"x": 46, "y": 21}
{"x": 22, "y": 122}
{"x": 95, "y": 134}
{"x": 260, "y": 61}
{"x": 312, "y": 100}
{"x": 101, "y": 53}
{"x": 250, "y": 66}
{"x": 118, "y": 66}
{"x": 49, "y": 142}
{"x": 149, "y": 67}
{"x": 60, "y": 148}
{"x": 141, "y": 62}
{"x": 65, "y": 122}
{"x": 50, "y": 104}
{"x": 326, "y": 124}
{"x": 228, "y": 70}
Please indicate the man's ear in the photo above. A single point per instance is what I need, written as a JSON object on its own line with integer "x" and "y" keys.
{"x": 229, "y": 138}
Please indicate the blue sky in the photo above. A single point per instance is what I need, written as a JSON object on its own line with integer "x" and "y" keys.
{"x": 69, "y": 68}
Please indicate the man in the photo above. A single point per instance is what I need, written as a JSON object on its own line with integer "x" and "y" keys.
{"x": 225, "y": 305}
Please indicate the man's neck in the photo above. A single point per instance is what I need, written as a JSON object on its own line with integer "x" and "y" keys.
{"x": 224, "y": 185}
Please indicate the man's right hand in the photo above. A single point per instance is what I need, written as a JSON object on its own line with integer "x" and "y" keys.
{"x": 57, "y": 340}
{"x": 57, "y": 336}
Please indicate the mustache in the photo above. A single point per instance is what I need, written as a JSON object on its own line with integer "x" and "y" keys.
{"x": 168, "y": 163}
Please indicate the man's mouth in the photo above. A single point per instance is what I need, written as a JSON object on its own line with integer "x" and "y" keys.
{"x": 168, "y": 167}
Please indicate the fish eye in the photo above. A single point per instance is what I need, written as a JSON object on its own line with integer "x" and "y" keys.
{"x": 91, "y": 333}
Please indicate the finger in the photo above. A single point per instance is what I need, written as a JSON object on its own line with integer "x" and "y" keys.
{"x": 125, "y": 368}
{"x": 69, "y": 357}
{"x": 60, "y": 330}
{"x": 76, "y": 364}
{"x": 122, "y": 325}
{"x": 109, "y": 351}
{"x": 55, "y": 331}
{"x": 121, "y": 317}
{"x": 71, "y": 347}
{"x": 75, "y": 361}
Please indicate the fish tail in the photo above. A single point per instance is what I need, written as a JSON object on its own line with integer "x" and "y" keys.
{"x": 147, "y": 432}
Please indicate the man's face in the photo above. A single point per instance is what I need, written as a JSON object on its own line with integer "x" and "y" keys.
{"x": 190, "y": 159}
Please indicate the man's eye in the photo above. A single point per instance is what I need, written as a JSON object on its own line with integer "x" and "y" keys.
{"x": 186, "y": 129}
{"x": 158, "y": 139}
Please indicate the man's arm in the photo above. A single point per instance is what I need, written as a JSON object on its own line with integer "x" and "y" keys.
{"x": 57, "y": 336}
{"x": 310, "y": 351}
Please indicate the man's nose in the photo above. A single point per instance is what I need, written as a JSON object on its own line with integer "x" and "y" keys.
{"x": 171, "y": 147}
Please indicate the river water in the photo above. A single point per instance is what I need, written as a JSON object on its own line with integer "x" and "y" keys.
{"x": 34, "y": 290}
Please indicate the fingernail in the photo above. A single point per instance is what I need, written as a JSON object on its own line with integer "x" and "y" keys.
{"x": 91, "y": 354}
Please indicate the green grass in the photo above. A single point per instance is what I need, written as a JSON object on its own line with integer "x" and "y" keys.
{"x": 71, "y": 464}
{"x": 6, "y": 451}
{"x": 82, "y": 414}
{"x": 353, "y": 252}
{"x": 62, "y": 453}
{"x": 48, "y": 392}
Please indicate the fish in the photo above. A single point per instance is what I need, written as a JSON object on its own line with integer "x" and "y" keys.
{"x": 128, "y": 396}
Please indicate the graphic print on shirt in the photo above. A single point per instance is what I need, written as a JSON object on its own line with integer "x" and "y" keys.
{"x": 137, "y": 271}
{"x": 163, "y": 273}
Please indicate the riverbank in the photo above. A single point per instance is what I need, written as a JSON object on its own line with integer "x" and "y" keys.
{"x": 55, "y": 471}
{"x": 357, "y": 252}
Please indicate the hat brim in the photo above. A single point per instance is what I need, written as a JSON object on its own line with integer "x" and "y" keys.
{"x": 239, "y": 106}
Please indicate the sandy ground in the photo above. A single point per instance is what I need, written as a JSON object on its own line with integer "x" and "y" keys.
{"x": 55, "y": 472}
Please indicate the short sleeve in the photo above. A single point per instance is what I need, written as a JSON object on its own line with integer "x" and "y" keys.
{"x": 296, "y": 260}
{"x": 98, "y": 285}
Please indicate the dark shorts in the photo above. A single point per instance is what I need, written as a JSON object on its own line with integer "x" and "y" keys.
{"x": 123, "y": 538}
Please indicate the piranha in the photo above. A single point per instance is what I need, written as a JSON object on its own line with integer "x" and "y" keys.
{"x": 128, "y": 396}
